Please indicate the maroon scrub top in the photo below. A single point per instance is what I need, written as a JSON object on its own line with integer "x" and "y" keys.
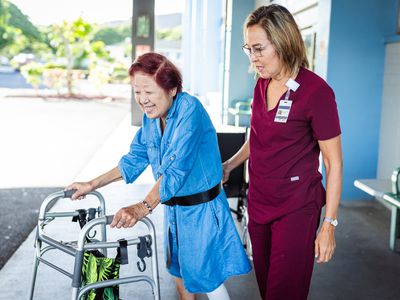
{"x": 284, "y": 157}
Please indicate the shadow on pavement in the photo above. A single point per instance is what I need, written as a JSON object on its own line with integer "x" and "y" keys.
{"x": 363, "y": 266}
{"x": 19, "y": 210}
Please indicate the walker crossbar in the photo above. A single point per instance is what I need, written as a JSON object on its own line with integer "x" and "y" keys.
{"x": 112, "y": 282}
{"x": 82, "y": 245}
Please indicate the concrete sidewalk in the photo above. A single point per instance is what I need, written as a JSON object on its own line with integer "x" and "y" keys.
{"x": 47, "y": 143}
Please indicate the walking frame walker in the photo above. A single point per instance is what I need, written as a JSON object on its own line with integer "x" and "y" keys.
{"x": 45, "y": 217}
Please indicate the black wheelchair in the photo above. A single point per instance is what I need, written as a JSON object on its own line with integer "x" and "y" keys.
{"x": 236, "y": 187}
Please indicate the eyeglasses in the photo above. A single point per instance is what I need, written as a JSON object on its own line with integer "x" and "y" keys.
{"x": 257, "y": 50}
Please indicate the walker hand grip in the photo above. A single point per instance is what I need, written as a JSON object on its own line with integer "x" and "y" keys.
{"x": 109, "y": 219}
{"x": 69, "y": 193}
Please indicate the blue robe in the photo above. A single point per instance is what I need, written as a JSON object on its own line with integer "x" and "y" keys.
{"x": 202, "y": 239}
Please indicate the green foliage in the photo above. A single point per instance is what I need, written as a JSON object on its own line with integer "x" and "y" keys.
{"x": 17, "y": 33}
{"x": 53, "y": 65}
{"x": 111, "y": 35}
{"x": 126, "y": 31}
{"x": 119, "y": 73}
{"x": 108, "y": 35}
{"x": 9, "y": 38}
{"x": 6, "y": 31}
{"x": 4, "y": 14}
{"x": 173, "y": 34}
{"x": 21, "y": 21}
{"x": 99, "y": 50}
{"x": 33, "y": 73}
{"x": 74, "y": 42}
{"x": 73, "y": 50}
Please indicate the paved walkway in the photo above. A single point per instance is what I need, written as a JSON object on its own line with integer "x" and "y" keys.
{"x": 47, "y": 143}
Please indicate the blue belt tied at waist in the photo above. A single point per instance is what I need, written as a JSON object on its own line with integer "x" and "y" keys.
{"x": 194, "y": 199}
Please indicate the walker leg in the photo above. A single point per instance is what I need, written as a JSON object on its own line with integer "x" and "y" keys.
{"x": 154, "y": 259}
{"x": 34, "y": 272}
{"x": 76, "y": 280}
{"x": 394, "y": 227}
{"x": 35, "y": 266}
{"x": 75, "y": 292}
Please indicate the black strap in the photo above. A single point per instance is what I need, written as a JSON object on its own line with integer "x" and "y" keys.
{"x": 195, "y": 199}
{"x": 91, "y": 214}
{"x": 122, "y": 252}
{"x": 81, "y": 217}
{"x": 143, "y": 250}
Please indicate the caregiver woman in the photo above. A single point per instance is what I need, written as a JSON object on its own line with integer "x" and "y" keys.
{"x": 294, "y": 118}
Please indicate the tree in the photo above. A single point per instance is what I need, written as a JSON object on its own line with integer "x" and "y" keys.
{"x": 172, "y": 34}
{"x": 113, "y": 34}
{"x": 17, "y": 33}
{"x": 21, "y": 21}
{"x": 109, "y": 36}
{"x": 5, "y": 30}
{"x": 72, "y": 41}
{"x": 33, "y": 73}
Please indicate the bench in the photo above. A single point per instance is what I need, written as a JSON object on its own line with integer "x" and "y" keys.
{"x": 388, "y": 192}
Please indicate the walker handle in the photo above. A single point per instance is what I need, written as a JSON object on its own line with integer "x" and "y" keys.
{"x": 109, "y": 219}
{"x": 69, "y": 193}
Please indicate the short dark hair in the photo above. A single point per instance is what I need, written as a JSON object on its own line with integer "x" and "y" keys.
{"x": 164, "y": 72}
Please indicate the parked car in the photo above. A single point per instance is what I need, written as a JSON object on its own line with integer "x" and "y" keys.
{"x": 5, "y": 66}
{"x": 22, "y": 59}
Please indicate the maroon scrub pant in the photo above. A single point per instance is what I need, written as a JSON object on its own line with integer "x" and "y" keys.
{"x": 283, "y": 253}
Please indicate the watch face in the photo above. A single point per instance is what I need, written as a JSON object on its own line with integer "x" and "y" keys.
{"x": 334, "y": 223}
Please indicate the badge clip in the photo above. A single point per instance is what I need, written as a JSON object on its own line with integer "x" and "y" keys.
{"x": 292, "y": 84}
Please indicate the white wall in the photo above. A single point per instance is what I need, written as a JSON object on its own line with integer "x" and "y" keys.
{"x": 202, "y": 46}
{"x": 389, "y": 145}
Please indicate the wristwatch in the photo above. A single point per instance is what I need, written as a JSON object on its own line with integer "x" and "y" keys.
{"x": 333, "y": 222}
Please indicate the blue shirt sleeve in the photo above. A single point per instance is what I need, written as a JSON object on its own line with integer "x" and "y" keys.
{"x": 178, "y": 161}
{"x": 131, "y": 165}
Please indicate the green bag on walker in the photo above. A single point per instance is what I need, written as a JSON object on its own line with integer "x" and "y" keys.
{"x": 97, "y": 268}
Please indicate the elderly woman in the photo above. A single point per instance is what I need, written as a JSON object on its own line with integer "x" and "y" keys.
{"x": 178, "y": 140}
{"x": 294, "y": 119}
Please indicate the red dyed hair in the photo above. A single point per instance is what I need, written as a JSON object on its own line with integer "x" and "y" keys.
{"x": 164, "y": 72}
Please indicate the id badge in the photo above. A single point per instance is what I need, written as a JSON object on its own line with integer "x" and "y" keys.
{"x": 282, "y": 114}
